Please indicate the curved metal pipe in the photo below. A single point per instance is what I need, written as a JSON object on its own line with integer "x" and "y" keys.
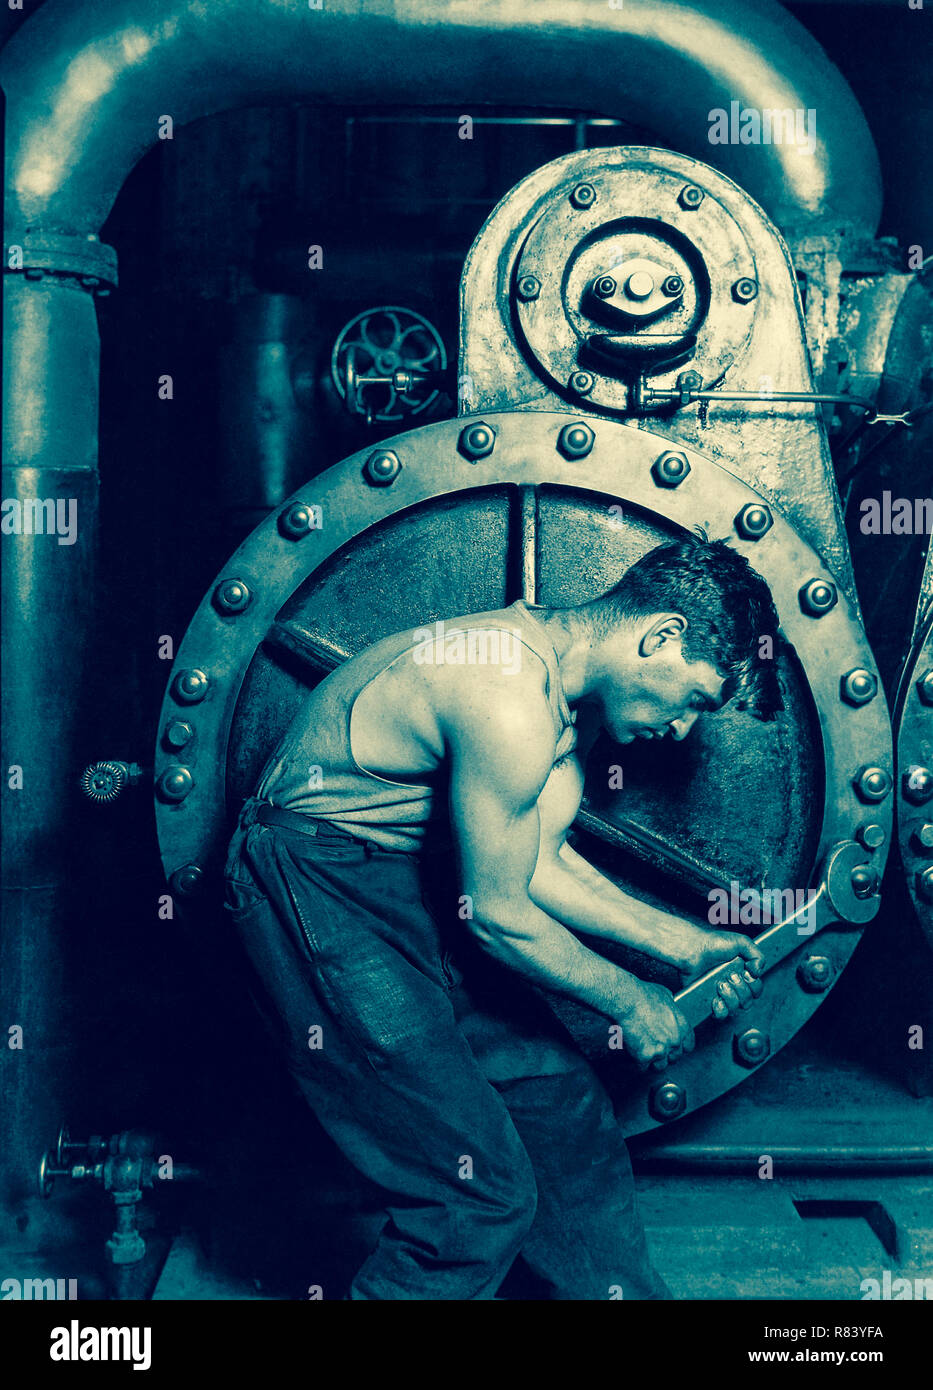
{"x": 87, "y": 83}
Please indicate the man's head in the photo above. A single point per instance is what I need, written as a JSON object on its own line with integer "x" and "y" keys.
{"x": 679, "y": 634}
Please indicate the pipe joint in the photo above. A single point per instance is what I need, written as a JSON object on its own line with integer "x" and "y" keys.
{"x": 81, "y": 258}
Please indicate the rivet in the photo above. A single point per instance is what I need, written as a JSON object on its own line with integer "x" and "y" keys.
{"x": 925, "y": 688}
{"x": 581, "y": 383}
{"x": 858, "y": 686}
{"x": 178, "y": 733}
{"x": 583, "y": 196}
{"x": 575, "y": 441}
{"x": 667, "y": 1101}
{"x": 296, "y": 521}
{"x": 864, "y": 881}
{"x": 872, "y": 836}
{"x": 871, "y": 784}
{"x": 745, "y": 290}
{"x": 174, "y": 783}
{"x": 605, "y": 287}
{"x": 690, "y": 197}
{"x": 925, "y": 884}
{"x": 382, "y": 467}
{"x": 751, "y": 1047}
{"x": 754, "y": 521}
{"x": 817, "y": 597}
{"x": 190, "y": 687}
{"x": 186, "y": 880}
{"x": 815, "y": 974}
{"x": 670, "y": 469}
{"x": 477, "y": 441}
{"x": 639, "y": 285}
{"x": 231, "y": 596}
{"x": 917, "y": 785}
{"x": 528, "y": 287}
{"x": 672, "y": 286}
{"x": 923, "y": 837}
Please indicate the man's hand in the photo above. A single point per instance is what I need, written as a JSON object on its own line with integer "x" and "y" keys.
{"x": 742, "y": 986}
{"x": 653, "y": 1028}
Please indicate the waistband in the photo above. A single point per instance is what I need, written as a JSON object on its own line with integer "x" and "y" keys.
{"x": 323, "y": 831}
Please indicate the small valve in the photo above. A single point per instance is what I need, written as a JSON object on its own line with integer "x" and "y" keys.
{"x": 104, "y": 781}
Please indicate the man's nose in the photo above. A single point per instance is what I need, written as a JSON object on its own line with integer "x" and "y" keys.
{"x": 680, "y": 728}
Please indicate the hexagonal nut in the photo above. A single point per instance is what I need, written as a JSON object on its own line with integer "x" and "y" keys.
{"x": 925, "y": 688}
{"x": 871, "y": 783}
{"x": 815, "y": 974}
{"x": 751, "y": 1048}
{"x": 382, "y": 467}
{"x": 296, "y": 521}
{"x": 178, "y": 733}
{"x": 174, "y": 784}
{"x": 690, "y": 197}
{"x": 745, "y": 290}
{"x": 917, "y": 785}
{"x": 528, "y": 288}
{"x": 864, "y": 881}
{"x": 754, "y": 521}
{"x": 858, "y": 686}
{"x": 924, "y": 883}
{"x": 670, "y": 469}
{"x": 581, "y": 383}
{"x": 872, "y": 836}
{"x": 186, "y": 881}
{"x": 575, "y": 441}
{"x": 922, "y": 838}
{"x": 231, "y": 596}
{"x": 189, "y": 687}
{"x": 818, "y": 597}
{"x": 477, "y": 441}
{"x": 583, "y": 196}
{"x": 667, "y": 1100}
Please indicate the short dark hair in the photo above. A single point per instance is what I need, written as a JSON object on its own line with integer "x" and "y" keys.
{"x": 728, "y": 607}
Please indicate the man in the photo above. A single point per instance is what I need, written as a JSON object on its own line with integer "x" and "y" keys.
{"x": 403, "y": 886}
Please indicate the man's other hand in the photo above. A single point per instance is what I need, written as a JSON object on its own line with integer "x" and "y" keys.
{"x": 654, "y": 1029}
{"x": 742, "y": 986}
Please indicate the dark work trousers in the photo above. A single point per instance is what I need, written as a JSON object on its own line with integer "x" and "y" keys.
{"x": 441, "y": 1076}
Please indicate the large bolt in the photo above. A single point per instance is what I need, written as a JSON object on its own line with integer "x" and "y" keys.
{"x": 745, "y": 290}
{"x": 815, "y": 974}
{"x": 639, "y": 285}
{"x": 672, "y": 286}
{"x": 871, "y": 784}
{"x": 751, "y": 1047}
{"x": 864, "y": 881}
{"x": 583, "y": 196}
{"x": 174, "y": 783}
{"x": 575, "y": 441}
{"x": 858, "y": 686}
{"x": 925, "y": 688}
{"x": 296, "y": 521}
{"x": 382, "y": 467}
{"x": 817, "y": 597}
{"x": 529, "y": 287}
{"x": 917, "y": 785}
{"x": 872, "y": 836}
{"x": 667, "y": 1101}
{"x": 477, "y": 441}
{"x": 186, "y": 881}
{"x": 581, "y": 383}
{"x": 190, "y": 687}
{"x": 231, "y": 596}
{"x": 605, "y": 287}
{"x": 925, "y": 884}
{"x": 690, "y": 197}
{"x": 922, "y": 837}
{"x": 178, "y": 733}
{"x": 670, "y": 469}
{"x": 754, "y": 521}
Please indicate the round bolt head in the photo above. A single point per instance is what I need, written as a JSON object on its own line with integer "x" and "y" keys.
{"x": 754, "y": 521}
{"x": 186, "y": 881}
{"x": 690, "y": 197}
{"x": 670, "y": 469}
{"x": 872, "y": 784}
{"x": 382, "y": 467}
{"x": 295, "y": 522}
{"x": 529, "y": 287}
{"x": 745, "y": 290}
{"x": 864, "y": 881}
{"x": 751, "y": 1047}
{"x": 871, "y": 835}
{"x": 581, "y": 383}
{"x": 190, "y": 687}
{"x": 178, "y": 733}
{"x": 174, "y": 784}
{"x": 672, "y": 286}
{"x": 605, "y": 287}
{"x": 231, "y": 596}
{"x": 639, "y": 285}
{"x": 477, "y": 441}
{"x": 925, "y": 884}
{"x": 815, "y": 974}
{"x": 922, "y": 837}
{"x": 817, "y": 597}
{"x": 925, "y": 688}
{"x": 575, "y": 441}
{"x": 917, "y": 785}
{"x": 583, "y": 196}
{"x": 667, "y": 1101}
{"x": 858, "y": 686}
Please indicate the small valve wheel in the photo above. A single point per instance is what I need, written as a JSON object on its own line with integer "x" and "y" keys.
{"x": 103, "y": 781}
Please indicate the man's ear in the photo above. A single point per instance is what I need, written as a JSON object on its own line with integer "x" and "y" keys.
{"x": 668, "y": 627}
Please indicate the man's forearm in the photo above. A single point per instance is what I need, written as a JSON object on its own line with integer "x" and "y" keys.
{"x": 567, "y": 887}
